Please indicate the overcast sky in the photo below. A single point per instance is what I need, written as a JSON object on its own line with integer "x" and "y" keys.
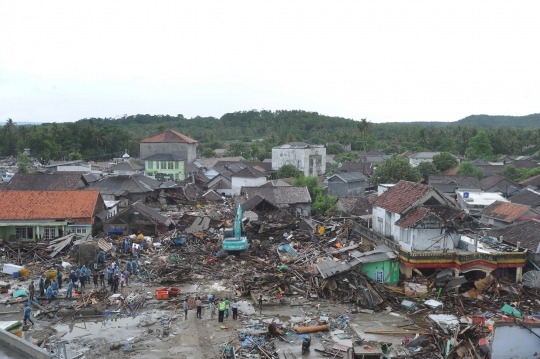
{"x": 384, "y": 60}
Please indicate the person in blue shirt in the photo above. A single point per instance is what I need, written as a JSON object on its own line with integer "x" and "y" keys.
{"x": 116, "y": 270}
{"x": 134, "y": 266}
{"x": 54, "y": 285}
{"x": 51, "y": 294}
{"x": 101, "y": 257}
{"x": 128, "y": 267}
{"x": 69, "y": 292}
{"x": 41, "y": 286}
{"x": 27, "y": 314}
{"x": 78, "y": 273}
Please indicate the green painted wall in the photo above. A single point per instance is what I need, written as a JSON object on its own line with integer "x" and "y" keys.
{"x": 371, "y": 271}
{"x": 176, "y": 173}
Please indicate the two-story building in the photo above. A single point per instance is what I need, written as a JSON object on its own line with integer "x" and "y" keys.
{"x": 169, "y": 142}
{"x": 163, "y": 165}
{"x": 347, "y": 184}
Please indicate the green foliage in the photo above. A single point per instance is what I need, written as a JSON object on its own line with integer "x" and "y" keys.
{"x": 479, "y": 147}
{"x": 347, "y": 157}
{"x": 320, "y": 203}
{"x": 332, "y": 169}
{"x": 74, "y": 156}
{"x": 209, "y": 153}
{"x": 512, "y": 172}
{"x": 288, "y": 171}
{"x": 334, "y": 149}
{"x": 444, "y": 161}
{"x": 528, "y": 173}
{"x": 324, "y": 204}
{"x": 426, "y": 168}
{"x": 23, "y": 163}
{"x": 238, "y": 148}
{"x": 468, "y": 169}
{"x": 393, "y": 170}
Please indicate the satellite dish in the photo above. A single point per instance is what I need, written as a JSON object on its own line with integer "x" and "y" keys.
{"x": 532, "y": 279}
{"x": 465, "y": 194}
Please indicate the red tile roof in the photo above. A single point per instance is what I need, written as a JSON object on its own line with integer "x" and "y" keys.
{"x": 443, "y": 213}
{"x": 33, "y": 205}
{"x": 504, "y": 211}
{"x": 168, "y": 137}
{"x": 403, "y": 195}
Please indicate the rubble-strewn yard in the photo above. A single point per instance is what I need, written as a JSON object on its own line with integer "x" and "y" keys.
{"x": 317, "y": 277}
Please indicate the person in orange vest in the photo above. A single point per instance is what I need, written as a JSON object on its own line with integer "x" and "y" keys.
{"x": 338, "y": 245}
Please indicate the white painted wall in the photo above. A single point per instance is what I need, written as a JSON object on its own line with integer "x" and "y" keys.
{"x": 300, "y": 158}
{"x": 238, "y": 182}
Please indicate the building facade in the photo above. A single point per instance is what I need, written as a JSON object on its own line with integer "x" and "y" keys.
{"x": 163, "y": 165}
{"x": 169, "y": 142}
{"x": 309, "y": 159}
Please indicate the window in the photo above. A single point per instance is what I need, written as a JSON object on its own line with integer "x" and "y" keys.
{"x": 49, "y": 233}
{"x": 176, "y": 165}
{"x": 163, "y": 165}
{"x": 150, "y": 165}
{"x": 79, "y": 230}
{"x": 24, "y": 233}
{"x": 171, "y": 165}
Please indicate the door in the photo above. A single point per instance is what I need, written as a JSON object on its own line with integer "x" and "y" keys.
{"x": 379, "y": 275}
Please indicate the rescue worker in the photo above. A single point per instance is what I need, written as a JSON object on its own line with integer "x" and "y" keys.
{"x": 31, "y": 290}
{"x": 27, "y": 314}
{"x": 234, "y": 310}
{"x": 69, "y": 292}
{"x": 221, "y": 311}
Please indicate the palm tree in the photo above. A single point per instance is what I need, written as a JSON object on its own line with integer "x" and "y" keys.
{"x": 362, "y": 129}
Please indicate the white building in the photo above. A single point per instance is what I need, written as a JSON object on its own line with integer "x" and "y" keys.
{"x": 414, "y": 215}
{"x": 248, "y": 177}
{"x": 474, "y": 202}
{"x": 420, "y": 157}
{"x": 309, "y": 159}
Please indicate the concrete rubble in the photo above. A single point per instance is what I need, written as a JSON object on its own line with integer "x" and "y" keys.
{"x": 308, "y": 272}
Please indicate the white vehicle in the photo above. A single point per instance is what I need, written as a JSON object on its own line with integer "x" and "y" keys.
{"x": 7, "y": 176}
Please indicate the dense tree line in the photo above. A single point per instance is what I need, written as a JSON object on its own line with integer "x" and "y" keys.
{"x": 103, "y": 138}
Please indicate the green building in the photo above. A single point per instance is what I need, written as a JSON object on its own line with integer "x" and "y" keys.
{"x": 165, "y": 166}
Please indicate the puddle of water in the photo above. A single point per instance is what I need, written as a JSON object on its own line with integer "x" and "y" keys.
{"x": 106, "y": 328}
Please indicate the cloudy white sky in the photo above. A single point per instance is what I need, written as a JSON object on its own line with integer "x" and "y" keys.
{"x": 384, "y": 60}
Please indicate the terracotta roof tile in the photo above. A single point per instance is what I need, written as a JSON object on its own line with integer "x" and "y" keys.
{"x": 57, "y": 181}
{"x": 504, "y": 211}
{"x": 533, "y": 181}
{"x": 451, "y": 171}
{"x": 501, "y": 182}
{"x": 31, "y": 205}
{"x": 403, "y": 195}
{"x": 169, "y": 137}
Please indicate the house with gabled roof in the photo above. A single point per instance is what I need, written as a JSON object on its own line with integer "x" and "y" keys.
{"x": 135, "y": 219}
{"x": 36, "y": 215}
{"x": 527, "y": 197}
{"x": 500, "y": 183}
{"x": 347, "y": 184}
{"x": 523, "y": 234}
{"x": 169, "y": 142}
{"x": 126, "y": 169}
{"x": 127, "y": 189}
{"x": 295, "y": 199}
{"x": 247, "y": 177}
{"x": 500, "y": 214}
{"x": 414, "y": 215}
{"x": 450, "y": 183}
{"x": 531, "y": 182}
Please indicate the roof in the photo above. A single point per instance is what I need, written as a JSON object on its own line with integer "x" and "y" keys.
{"x": 442, "y": 213}
{"x": 126, "y": 166}
{"x": 279, "y": 195}
{"x": 276, "y": 183}
{"x": 211, "y": 162}
{"x": 248, "y": 172}
{"x": 505, "y": 211}
{"x": 365, "y": 167}
{"x": 121, "y": 185}
{"x": 532, "y": 181}
{"x": 57, "y": 181}
{"x": 450, "y": 171}
{"x": 407, "y": 154}
{"x": 169, "y": 137}
{"x": 212, "y": 195}
{"x": 402, "y": 196}
{"x": 527, "y": 197}
{"x": 482, "y": 198}
{"x": 480, "y": 161}
{"x": 164, "y": 157}
{"x": 62, "y": 163}
{"x": 459, "y": 181}
{"x": 425, "y": 155}
{"x": 500, "y": 182}
{"x": 358, "y": 206}
{"x": 253, "y": 202}
{"x": 349, "y": 176}
{"x": 33, "y": 205}
{"x": 141, "y": 208}
{"x": 527, "y": 233}
{"x": 297, "y": 145}
{"x": 490, "y": 170}
{"x": 260, "y": 166}
{"x": 524, "y": 163}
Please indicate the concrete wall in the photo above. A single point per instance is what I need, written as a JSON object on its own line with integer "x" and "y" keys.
{"x": 511, "y": 341}
{"x": 187, "y": 151}
{"x": 238, "y": 182}
{"x": 8, "y": 340}
{"x": 157, "y": 167}
{"x": 371, "y": 271}
{"x": 310, "y": 161}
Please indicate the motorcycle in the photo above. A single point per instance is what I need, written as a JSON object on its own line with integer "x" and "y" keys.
{"x": 306, "y": 343}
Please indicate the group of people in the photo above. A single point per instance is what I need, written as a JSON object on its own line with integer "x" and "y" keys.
{"x": 133, "y": 248}
{"x": 224, "y": 308}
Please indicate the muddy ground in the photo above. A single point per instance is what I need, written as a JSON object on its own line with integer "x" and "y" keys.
{"x": 155, "y": 332}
